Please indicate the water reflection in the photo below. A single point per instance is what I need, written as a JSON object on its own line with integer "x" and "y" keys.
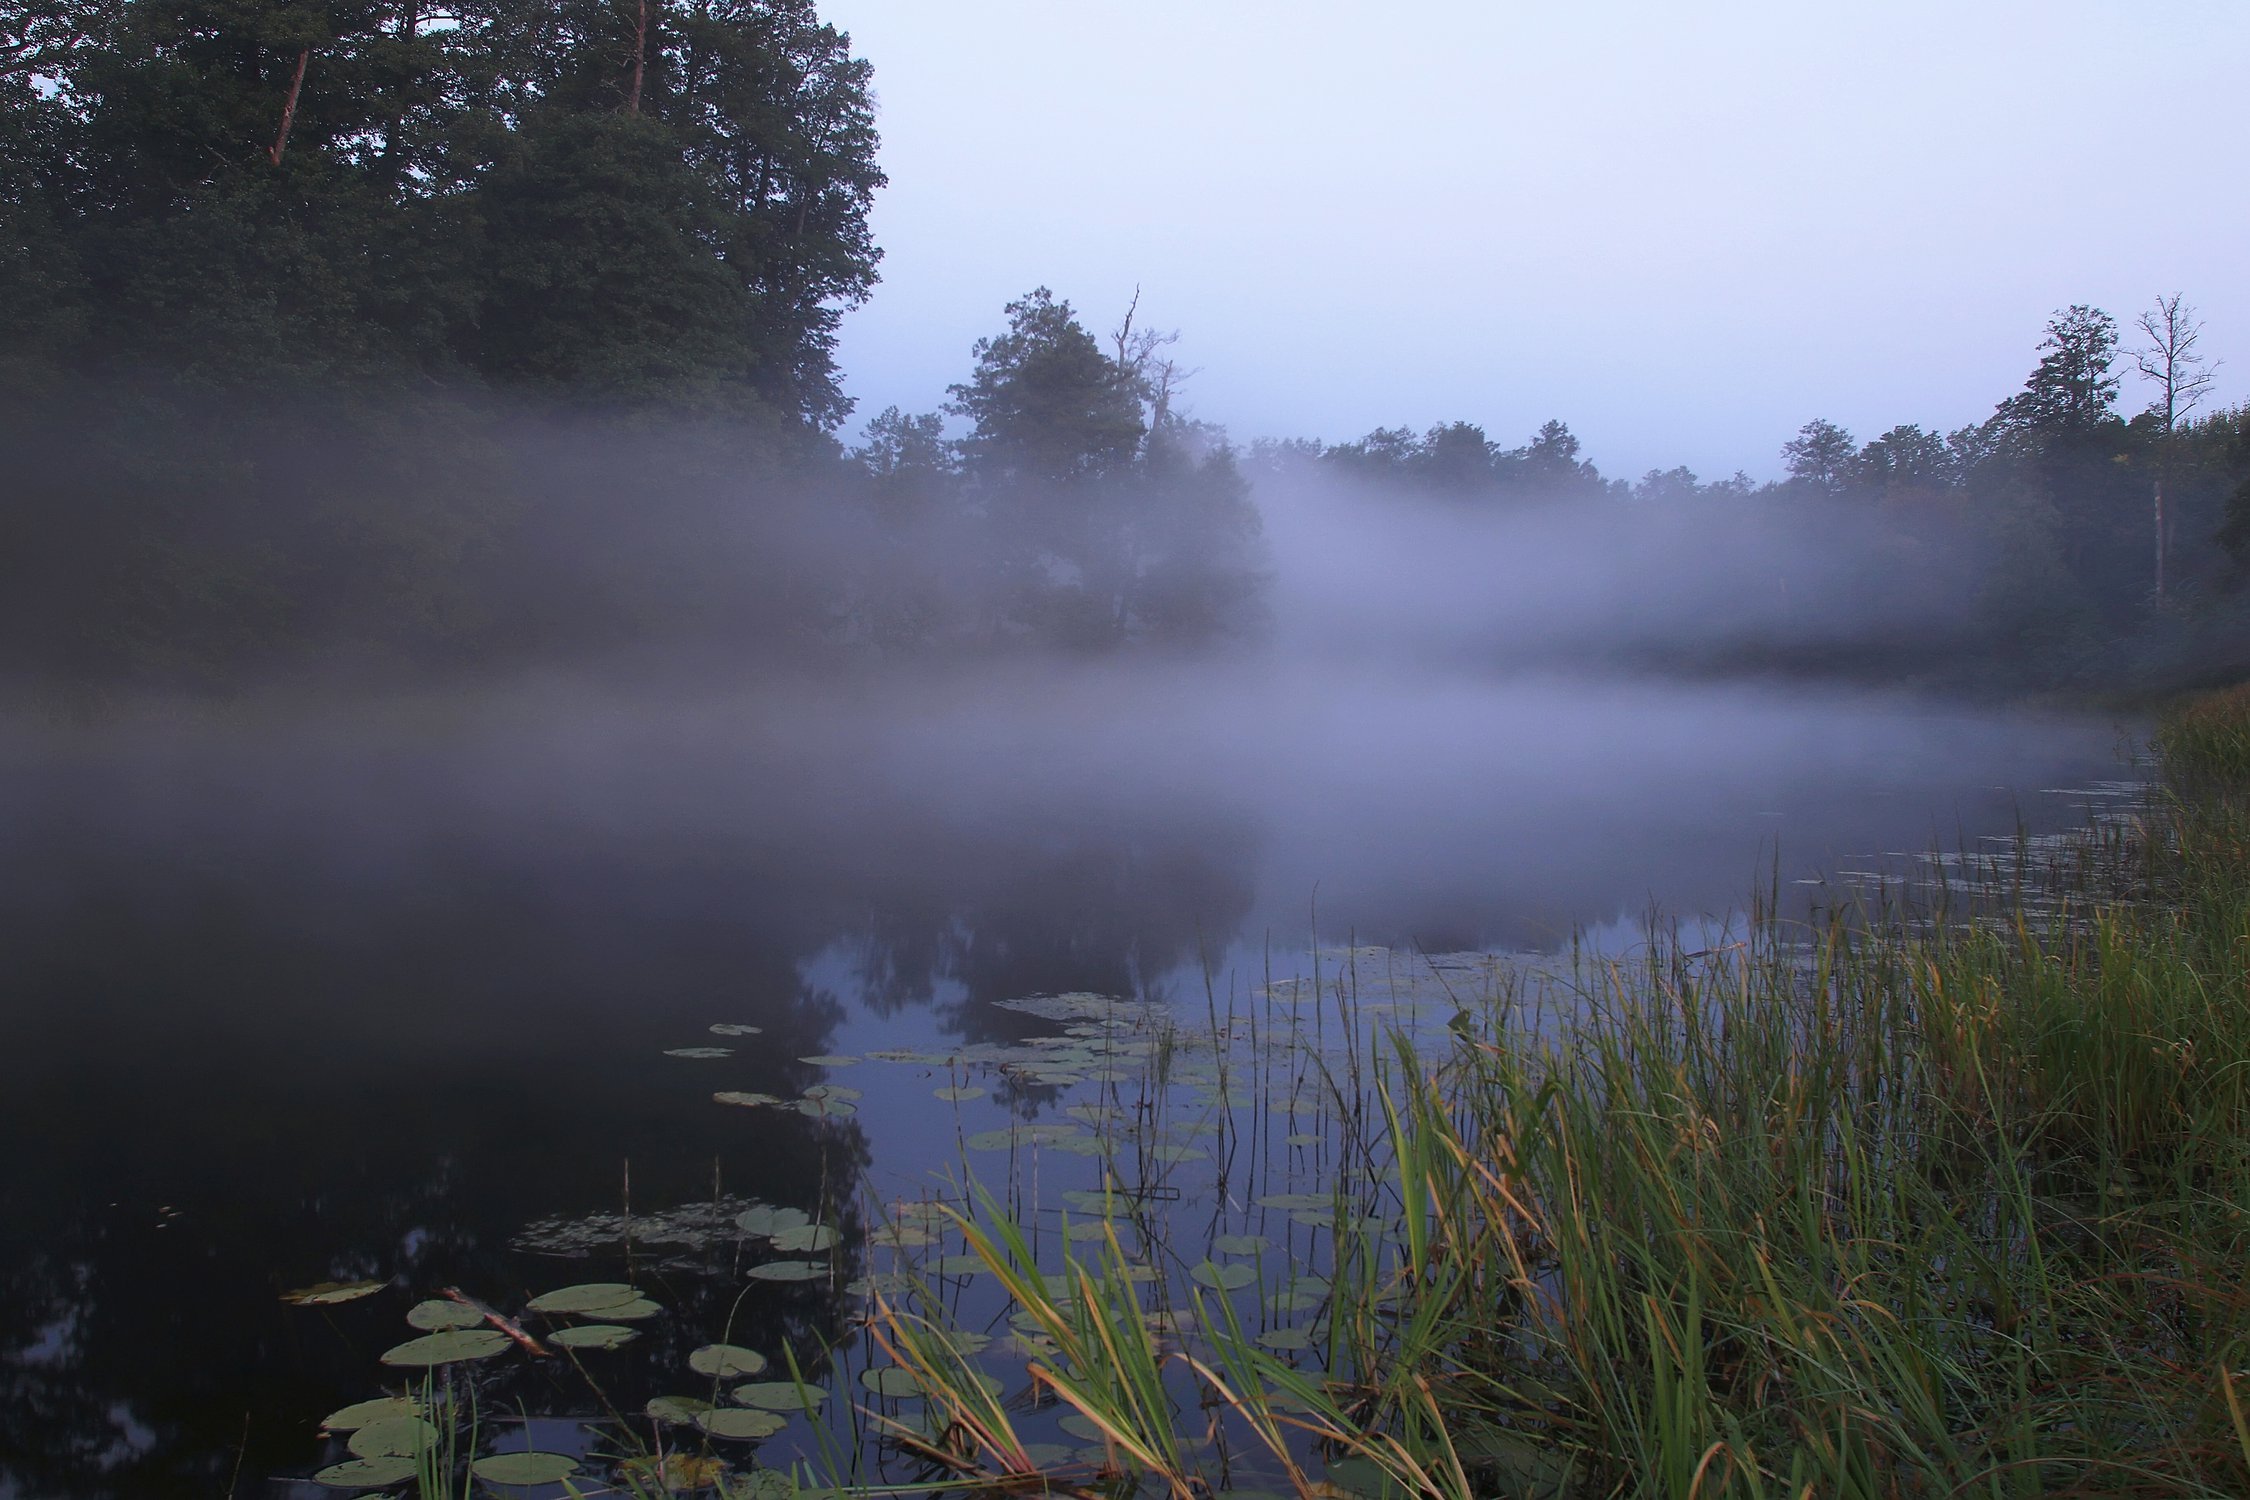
{"x": 365, "y": 994}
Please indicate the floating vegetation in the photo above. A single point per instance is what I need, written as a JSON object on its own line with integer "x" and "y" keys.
{"x": 593, "y": 1336}
{"x": 524, "y": 1468}
{"x": 699, "y": 1052}
{"x": 447, "y": 1348}
{"x": 720, "y": 1361}
{"x": 586, "y": 1297}
{"x": 439, "y": 1313}
{"x": 366, "y": 1473}
{"x": 365, "y": 1413}
{"x": 331, "y": 1293}
{"x": 734, "y": 1028}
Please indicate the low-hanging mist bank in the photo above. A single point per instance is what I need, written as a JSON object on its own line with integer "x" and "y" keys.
{"x": 171, "y": 537}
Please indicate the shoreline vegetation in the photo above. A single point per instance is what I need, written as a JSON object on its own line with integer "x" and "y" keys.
{"x": 1933, "y": 1200}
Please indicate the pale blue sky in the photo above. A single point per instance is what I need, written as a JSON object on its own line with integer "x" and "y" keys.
{"x": 1684, "y": 229}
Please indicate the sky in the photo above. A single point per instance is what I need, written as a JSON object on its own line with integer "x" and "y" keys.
{"x": 1685, "y": 230}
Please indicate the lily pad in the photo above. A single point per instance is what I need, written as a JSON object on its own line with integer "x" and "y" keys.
{"x": 450, "y": 1347}
{"x": 891, "y": 1380}
{"x": 1297, "y": 1202}
{"x": 735, "y": 1028}
{"x": 1241, "y": 1244}
{"x": 524, "y": 1468}
{"x": 956, "y": 1095}
{"x": 677, "y": 1408}
{"x": 593, "y": 1336}
{"x": 1226, "y": 1277}
{"x": 364, "y": 1413}
{"x": 365, "y": 1473}
{"x": 959, "y": 1265}
{"x": 788, "y": 1270}
{"x": 585, "y": 1297}
{"x": 699, "y": 1052}
{"x": 805, "y": 1238}
{"x": 720, "y": 1361}
{"x": 635, "y": 1311}
{"x": 741, "y": 1422}
{"x": 830, "y": 1060}
{"x": 1079, "y": 1425}
{"x": 1286, "y": 1338}
{"x": 395, "y": 1437}
{"x": 780, "y": 1395}
{"x": 329, "y": 1293}
{"x": 440, "y": 1313}
{"x": 765, "y": 1221}
{"x": 826, "y": 1109}
{"x": 746, "y": 1098}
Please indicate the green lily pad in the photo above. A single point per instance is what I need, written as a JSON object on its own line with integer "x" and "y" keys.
{"x": 1225, "y": 1278}
{"x": 524, "y": 1468}
{"x": 440, "y": 1313}
{"x": 699, "y": 1052}
{"x": 829, "y": 1060}
{"x": 363, "y": 1413}
{"x": 956, "y": 1095}
{"x": 735, "y": 1028}
{"x": 1241, "y": 1244}
{"x": 329, "y": 1293}
{"x": 1286, "y": 1338}
{"x": 1303, "y": 1138}
{"x": 1087, "y": 1229}
{"x": 395, "y": 1437}
{"x": 593, "y": 1336}
{"x": 788, "y": 1270}
{"x": 765, "y": 1221}
{"x": 1079, "y": 1425}
{"x": 890, "y": 1380}
{"x": 1175, "y": 1153}
{"x": 586, "y": 1297}
{"x": 1295, "y": 1203}
{"x": 741, "y": 1422}
{"x": 780, "y": 1395}
{"x": 635, "y": 1311}
{"x": 450, "y": 1347}
{"x": 805, "y": 1238}
{"x": 959, "y": 1265}
{"x": 365, "y": 1473}
{"x": 677, "y": 1408}
{"x": 746, "y": 1098}
{"x": 719, "y": 1361}
{"x": 826, "y": 1109}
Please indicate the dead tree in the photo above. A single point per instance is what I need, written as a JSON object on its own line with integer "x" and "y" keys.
{"x": 2169, "y": 362}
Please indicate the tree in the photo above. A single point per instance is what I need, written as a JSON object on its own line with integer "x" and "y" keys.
{"x": 1820, "y": 456}
{"x": 1045, "y": 404}
{"x": 2181, "y": 377}
{"x": 2073, "y": 390}
{"x": 1905, "y": 458}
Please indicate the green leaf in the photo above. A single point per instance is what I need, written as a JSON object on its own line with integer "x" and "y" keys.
{"x": 635, "y": 1311}
{"x": 1225, "y": 1278}
{"x": 891, "y": 1380}
{"x": 956, "y": 1095}
{"x": 719, "y": 1361}
{"x": 741, "y": 1422}
{"x": 735, "y": 1028}
{"x": 699, "y": 1052}
{"x": 1297, "y": 1202}
{"x": 1286, "y": 1338}
{"x": 394, "y": 1437}
{"x": 365, "y": 1473}
{"x": 1241, "y": 1244}
{"x": 451, "y": 1347}
{"x": 441, "y": 1313}
{"x": 829, "y": 1060}
{"x": 677, "y": 1408}
{"x": 363, "y": 1413}
{"x": 745, "y": 1098}
{"x": 524, "y": 1468}
{"x": 805, "y": 1238}
{"x": 788, "y": 1270}
{"x": 329, "y": 1293}
{"x": 586, "y": 1297}
{"x": 765, "y": 1221}
{"x": 780, "y": 1395}
{"x": 593, "y": 1336}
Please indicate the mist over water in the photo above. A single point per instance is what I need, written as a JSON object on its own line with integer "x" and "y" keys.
{"x": 329, "y": 981}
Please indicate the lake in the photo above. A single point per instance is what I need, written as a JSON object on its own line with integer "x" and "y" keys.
{"x": 399, "y": 992}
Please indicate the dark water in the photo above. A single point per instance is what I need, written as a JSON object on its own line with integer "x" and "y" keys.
{"x": 294, "y": 995}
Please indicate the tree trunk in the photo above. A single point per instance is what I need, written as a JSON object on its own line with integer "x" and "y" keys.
{"x": 289, "y": 108}
{"x": 2160, "y": 539}
{"x": 640, "y": 59}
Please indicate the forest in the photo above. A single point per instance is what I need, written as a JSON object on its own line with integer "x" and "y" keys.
{"x": 401, "y": 338}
